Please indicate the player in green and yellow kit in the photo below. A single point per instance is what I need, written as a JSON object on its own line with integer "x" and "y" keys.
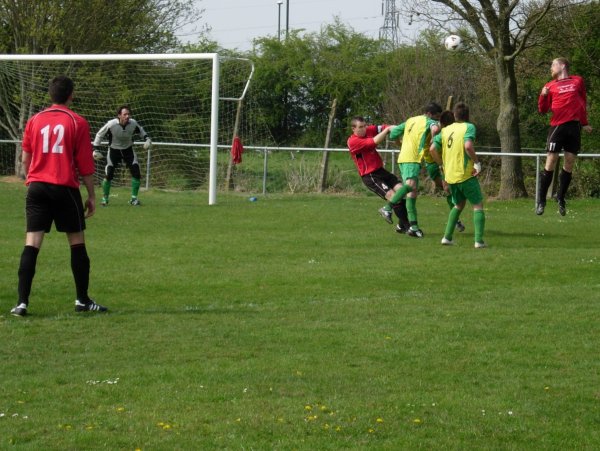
{"x": 433, "y": 169}
{"x": 460, "y": 166}
{"x": 416, "y": 135}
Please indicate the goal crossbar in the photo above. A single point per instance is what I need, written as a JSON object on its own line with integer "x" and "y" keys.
{"x": 214, "y": 109}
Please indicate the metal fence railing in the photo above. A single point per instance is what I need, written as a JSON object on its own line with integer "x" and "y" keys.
{"x": 270, "y": 169}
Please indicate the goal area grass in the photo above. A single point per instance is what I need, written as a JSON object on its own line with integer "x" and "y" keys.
{"x": 304, "y": 322}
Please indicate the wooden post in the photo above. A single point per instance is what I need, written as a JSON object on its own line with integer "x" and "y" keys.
{"x": 229, "y": 177}
{"x": 325, "y": 160}
{"x": 449, "y": 103}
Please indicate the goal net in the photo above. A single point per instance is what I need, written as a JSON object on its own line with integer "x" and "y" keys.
{"x": 191, "y": 105}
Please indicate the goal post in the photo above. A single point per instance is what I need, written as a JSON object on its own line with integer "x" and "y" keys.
{"x": 105, "y": 81}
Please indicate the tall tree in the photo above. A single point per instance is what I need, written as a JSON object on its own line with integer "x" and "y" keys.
{"x": 502, "y": 29}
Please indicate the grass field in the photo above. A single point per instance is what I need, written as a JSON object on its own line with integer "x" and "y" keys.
{"x": 305, "y": 322}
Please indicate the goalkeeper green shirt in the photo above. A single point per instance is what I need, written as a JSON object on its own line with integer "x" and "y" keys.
{"x": 458, "y": 166}
{"x": 416, "y": 138}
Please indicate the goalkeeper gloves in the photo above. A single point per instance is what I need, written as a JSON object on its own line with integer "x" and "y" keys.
{"x": 147, "y": 144}
{"x": 476, "y": 168}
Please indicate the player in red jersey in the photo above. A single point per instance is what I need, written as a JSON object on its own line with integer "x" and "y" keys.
{"x": 565, "y": 97}
{"x": 57, "y": 151}
{"x": 363, "y": 148}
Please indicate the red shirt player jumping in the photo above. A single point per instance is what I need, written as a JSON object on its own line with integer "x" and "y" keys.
{"x": 565, "y": 97}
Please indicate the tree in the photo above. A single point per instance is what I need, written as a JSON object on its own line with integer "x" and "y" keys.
{"x": 81, "y": 26}
{"x": 502, "y": 29}
{"x": 297, "y": 79}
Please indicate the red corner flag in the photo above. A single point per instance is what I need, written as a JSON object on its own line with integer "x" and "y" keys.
{"x": 236, "y": 150}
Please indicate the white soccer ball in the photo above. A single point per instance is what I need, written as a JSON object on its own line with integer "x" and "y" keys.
{"x": 453, "y": 43}
{"x": 98, "y": 155}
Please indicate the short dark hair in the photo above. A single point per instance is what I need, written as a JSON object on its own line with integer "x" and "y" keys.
{"x": 433, "y": 108}
{"x": 123, "y": 107}
{"x": 356, "y": 119}
{"x": 446, "y": 118}
{"x": 60, "y": 89}
{"x": 461, "y": 112}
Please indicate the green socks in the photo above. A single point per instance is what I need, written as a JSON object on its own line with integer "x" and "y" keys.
{"x": 452, "y": 220}
{"x": 135, "y": 187}
{"x": 400, "y": 194}
{"x": 106, "y": 188}
{"x": 411, "y": 208}
{"x": 479, "y": 221}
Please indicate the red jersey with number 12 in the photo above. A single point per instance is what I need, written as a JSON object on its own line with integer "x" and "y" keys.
{"x": 566, "y": 99}
{"x": 58, "y": 140}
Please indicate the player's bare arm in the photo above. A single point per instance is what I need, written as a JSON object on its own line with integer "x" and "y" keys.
{"x": 435, "y": 155}
{"x": 90, "y": 203}
{"x": 470, "y": 149}
{"x": 26, "y": 162}
{"x": 380, "y": 137}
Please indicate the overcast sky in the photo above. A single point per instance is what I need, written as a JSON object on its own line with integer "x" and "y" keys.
{"x": 235, "y": 23}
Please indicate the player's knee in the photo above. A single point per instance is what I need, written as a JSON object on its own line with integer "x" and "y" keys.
{"x": 135, "y": 171}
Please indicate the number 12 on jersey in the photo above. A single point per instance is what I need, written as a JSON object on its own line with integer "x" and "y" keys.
{"x": 59, "y": 132}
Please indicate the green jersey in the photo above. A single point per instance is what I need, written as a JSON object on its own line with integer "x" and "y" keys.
{"x": 416, "y": 138}
{"x": 458, "y": 166}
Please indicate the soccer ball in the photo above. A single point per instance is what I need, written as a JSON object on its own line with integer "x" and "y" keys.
{"x": 453, "y": 42}
{"x": 98, "y": 155}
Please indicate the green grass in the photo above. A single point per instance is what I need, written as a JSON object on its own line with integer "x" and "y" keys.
{"x": 304, "y": 322}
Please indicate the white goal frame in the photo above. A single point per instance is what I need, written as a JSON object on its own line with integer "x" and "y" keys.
{"x": 214, "y": 110}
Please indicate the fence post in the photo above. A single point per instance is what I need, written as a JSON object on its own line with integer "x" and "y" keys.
{"x": 537, "y": 179}
{"x": 148, "y": 168}
{"x": 265, "y": 164}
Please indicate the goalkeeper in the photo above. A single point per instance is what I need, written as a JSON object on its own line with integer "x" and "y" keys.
{"x": 120, "y": 133}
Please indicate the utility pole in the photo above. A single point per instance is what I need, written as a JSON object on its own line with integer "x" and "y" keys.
{"x": 279, "y": 3}
{"x": 287, "y": 18}
{"x": 389, "y": 32}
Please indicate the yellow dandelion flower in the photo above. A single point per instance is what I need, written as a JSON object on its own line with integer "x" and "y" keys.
{"x": 546, "y": 388}
{"x": 371, "y": 430}
{"x": 20, "y": 402}
{"x": 388, "y": 338}
{"x": 338, "y": 428}
{"x": 308, "y": 407}
{"x": 89, "y": 427}
{"x": 238, "y": 420}
{"x": 160, "y": 424}
{"x": 120, "y": 409}
{"x": 379, "y": 420}
{"x": 324, "y": 408}
{"x": 325, "y": 426}
{"x": 417, "y": 421}
{"x": 166, "y": 427}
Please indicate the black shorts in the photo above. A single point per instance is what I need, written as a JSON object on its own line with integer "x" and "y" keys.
{"x": 46, "y": 203}
{"x": 116, "y": 156}
{"x": 380, "y": 181}
{"x": 564, "y": 137}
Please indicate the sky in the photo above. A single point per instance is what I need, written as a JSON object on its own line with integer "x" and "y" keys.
{"x": 234, "y": 23}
